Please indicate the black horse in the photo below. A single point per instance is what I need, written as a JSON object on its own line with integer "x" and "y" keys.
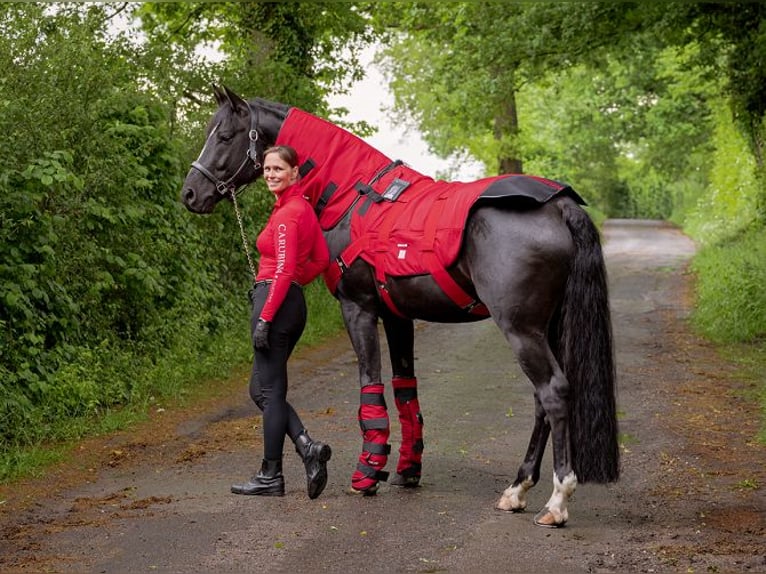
{"x": 527, "y": 255}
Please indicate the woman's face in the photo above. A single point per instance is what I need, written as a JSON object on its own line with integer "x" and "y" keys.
{"x": 278, "y": 173}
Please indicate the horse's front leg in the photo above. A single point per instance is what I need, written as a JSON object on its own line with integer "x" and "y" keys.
{"x": 362, "y": 327}
{"x": 400, "y": 334}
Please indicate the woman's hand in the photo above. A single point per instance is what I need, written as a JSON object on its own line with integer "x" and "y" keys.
{"x": 261, "y": 335}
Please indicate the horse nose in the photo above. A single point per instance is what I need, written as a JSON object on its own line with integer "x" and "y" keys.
{"x": 188, "y": 195}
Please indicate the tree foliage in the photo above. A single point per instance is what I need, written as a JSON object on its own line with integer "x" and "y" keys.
{"x": 293, "y": 52}
{"x": 648, "y": 109}
{"x": 457, "y": 68}
{"x": 498, "y": 80}
{"x": 94, "y": 252}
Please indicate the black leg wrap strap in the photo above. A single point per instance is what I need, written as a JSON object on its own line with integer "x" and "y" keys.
{"x": 371, "y": 472}
{"x": 418, "y": 446}
{"x": 373, "y": 424}
{"x": 373, "y": 399}
{"x": 375, "y": 448}
{"x": 406, "y": 395}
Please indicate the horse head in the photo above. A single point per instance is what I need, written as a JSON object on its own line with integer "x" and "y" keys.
{"x": 232, "y": 156}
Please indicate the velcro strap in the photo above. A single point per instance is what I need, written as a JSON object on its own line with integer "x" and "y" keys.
{"x": 363, "y": 207}
{"x": 412, "y": 470}
{"x": 372, "y": 472}
{"x": 404, "y": 382}
{"x": 376, "y": 448}
{"x": 406, "y": 394}
{"x": 405, "y": 388}
{"x": 325, "y": 197}
{"x": 374, "y": 424}
{"x": 367, "y": 190}
{"x": 373, "y": 399}
{"x": 306, "y": 167}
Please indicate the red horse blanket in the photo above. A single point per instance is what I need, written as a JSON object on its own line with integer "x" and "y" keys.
{"x": 404, "y": 223}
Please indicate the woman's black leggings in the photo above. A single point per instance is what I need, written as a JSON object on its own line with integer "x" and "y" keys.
{"x": 268, "y": 380}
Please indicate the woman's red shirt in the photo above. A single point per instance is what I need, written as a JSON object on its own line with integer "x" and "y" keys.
{"x": 291, "y": 246}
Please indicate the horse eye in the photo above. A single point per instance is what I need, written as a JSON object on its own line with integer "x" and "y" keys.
{"x": 225, "y": 137}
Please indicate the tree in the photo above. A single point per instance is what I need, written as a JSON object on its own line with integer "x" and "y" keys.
{"x": 294, "y": 52}
{"x": 458, "y": 69}
{"x": 97, "y": 258}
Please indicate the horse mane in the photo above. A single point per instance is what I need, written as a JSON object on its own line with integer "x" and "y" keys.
{"x": 271, "y": 106}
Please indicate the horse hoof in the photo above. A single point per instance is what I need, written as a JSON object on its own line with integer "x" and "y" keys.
{"x": 369, "y": 491}
{"x": 405, "y": 481}
{"x": 547, "y": 519}
{"x": 511, "y": 504}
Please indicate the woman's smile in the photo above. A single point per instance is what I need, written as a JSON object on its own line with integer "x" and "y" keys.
{"x": 278, "y": 173}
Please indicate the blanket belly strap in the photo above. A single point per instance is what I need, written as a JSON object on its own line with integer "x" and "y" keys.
{"x": 334, "y": 273}
{"x": 386, "y": 296}
{"x": 456, "y": 292}
{"x": 376, "y": 245}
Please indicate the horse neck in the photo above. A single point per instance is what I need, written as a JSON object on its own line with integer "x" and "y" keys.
{"x": 336, "y": 161}
{"x": 271, "y": 116}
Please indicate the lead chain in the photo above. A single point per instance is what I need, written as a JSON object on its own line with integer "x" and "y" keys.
{"x": 242, "y": 233}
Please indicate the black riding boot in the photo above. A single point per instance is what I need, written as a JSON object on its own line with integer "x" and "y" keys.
{"x": 315, "y": 455}
{"x": 268, "y": 482}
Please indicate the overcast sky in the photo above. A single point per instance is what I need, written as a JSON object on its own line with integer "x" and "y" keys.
{"x": 365, "y": 101}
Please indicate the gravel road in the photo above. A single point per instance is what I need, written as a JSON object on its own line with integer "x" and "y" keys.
{"x": 691, "y": 498}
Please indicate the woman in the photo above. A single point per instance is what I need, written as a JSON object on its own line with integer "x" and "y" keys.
{"x": 293, "y": 252}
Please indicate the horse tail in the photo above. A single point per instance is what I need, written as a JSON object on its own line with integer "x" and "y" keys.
{"x": 585, "y": 351}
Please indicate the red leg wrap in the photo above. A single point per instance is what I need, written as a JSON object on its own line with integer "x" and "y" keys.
{"x": 411, "y": 449}
{"x": 373, "y": 420}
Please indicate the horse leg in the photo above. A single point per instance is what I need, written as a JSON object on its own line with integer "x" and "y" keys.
{"x": 373, "y": 414}
{"x": 551, "y": 392}
{"x": 400, "y": 334}
{"x": 523, "y": 287}
{"x": 515, "y": 496}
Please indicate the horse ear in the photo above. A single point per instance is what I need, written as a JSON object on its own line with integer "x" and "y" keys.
{"x": 236, "y": 102}
{"x": 220, "y": 96}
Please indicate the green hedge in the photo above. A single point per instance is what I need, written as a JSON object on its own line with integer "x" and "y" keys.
{"x": 731, "y": 297}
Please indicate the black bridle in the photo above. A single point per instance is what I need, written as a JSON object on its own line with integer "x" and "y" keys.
{"x": 254, "y": 155}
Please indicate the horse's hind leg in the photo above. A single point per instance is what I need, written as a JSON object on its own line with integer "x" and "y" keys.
{"x": 519, "y": 263}
{"x": 515, "y": 496}
{"x": 400, "y": 334}
{"x": 551, "y": 393}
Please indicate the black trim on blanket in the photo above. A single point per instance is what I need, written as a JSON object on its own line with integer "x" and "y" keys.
{"x": 306, "y": 167}
{"x": 324, "y": 199}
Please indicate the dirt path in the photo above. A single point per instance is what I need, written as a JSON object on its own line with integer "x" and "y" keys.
{"x": 157, "y": 500}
